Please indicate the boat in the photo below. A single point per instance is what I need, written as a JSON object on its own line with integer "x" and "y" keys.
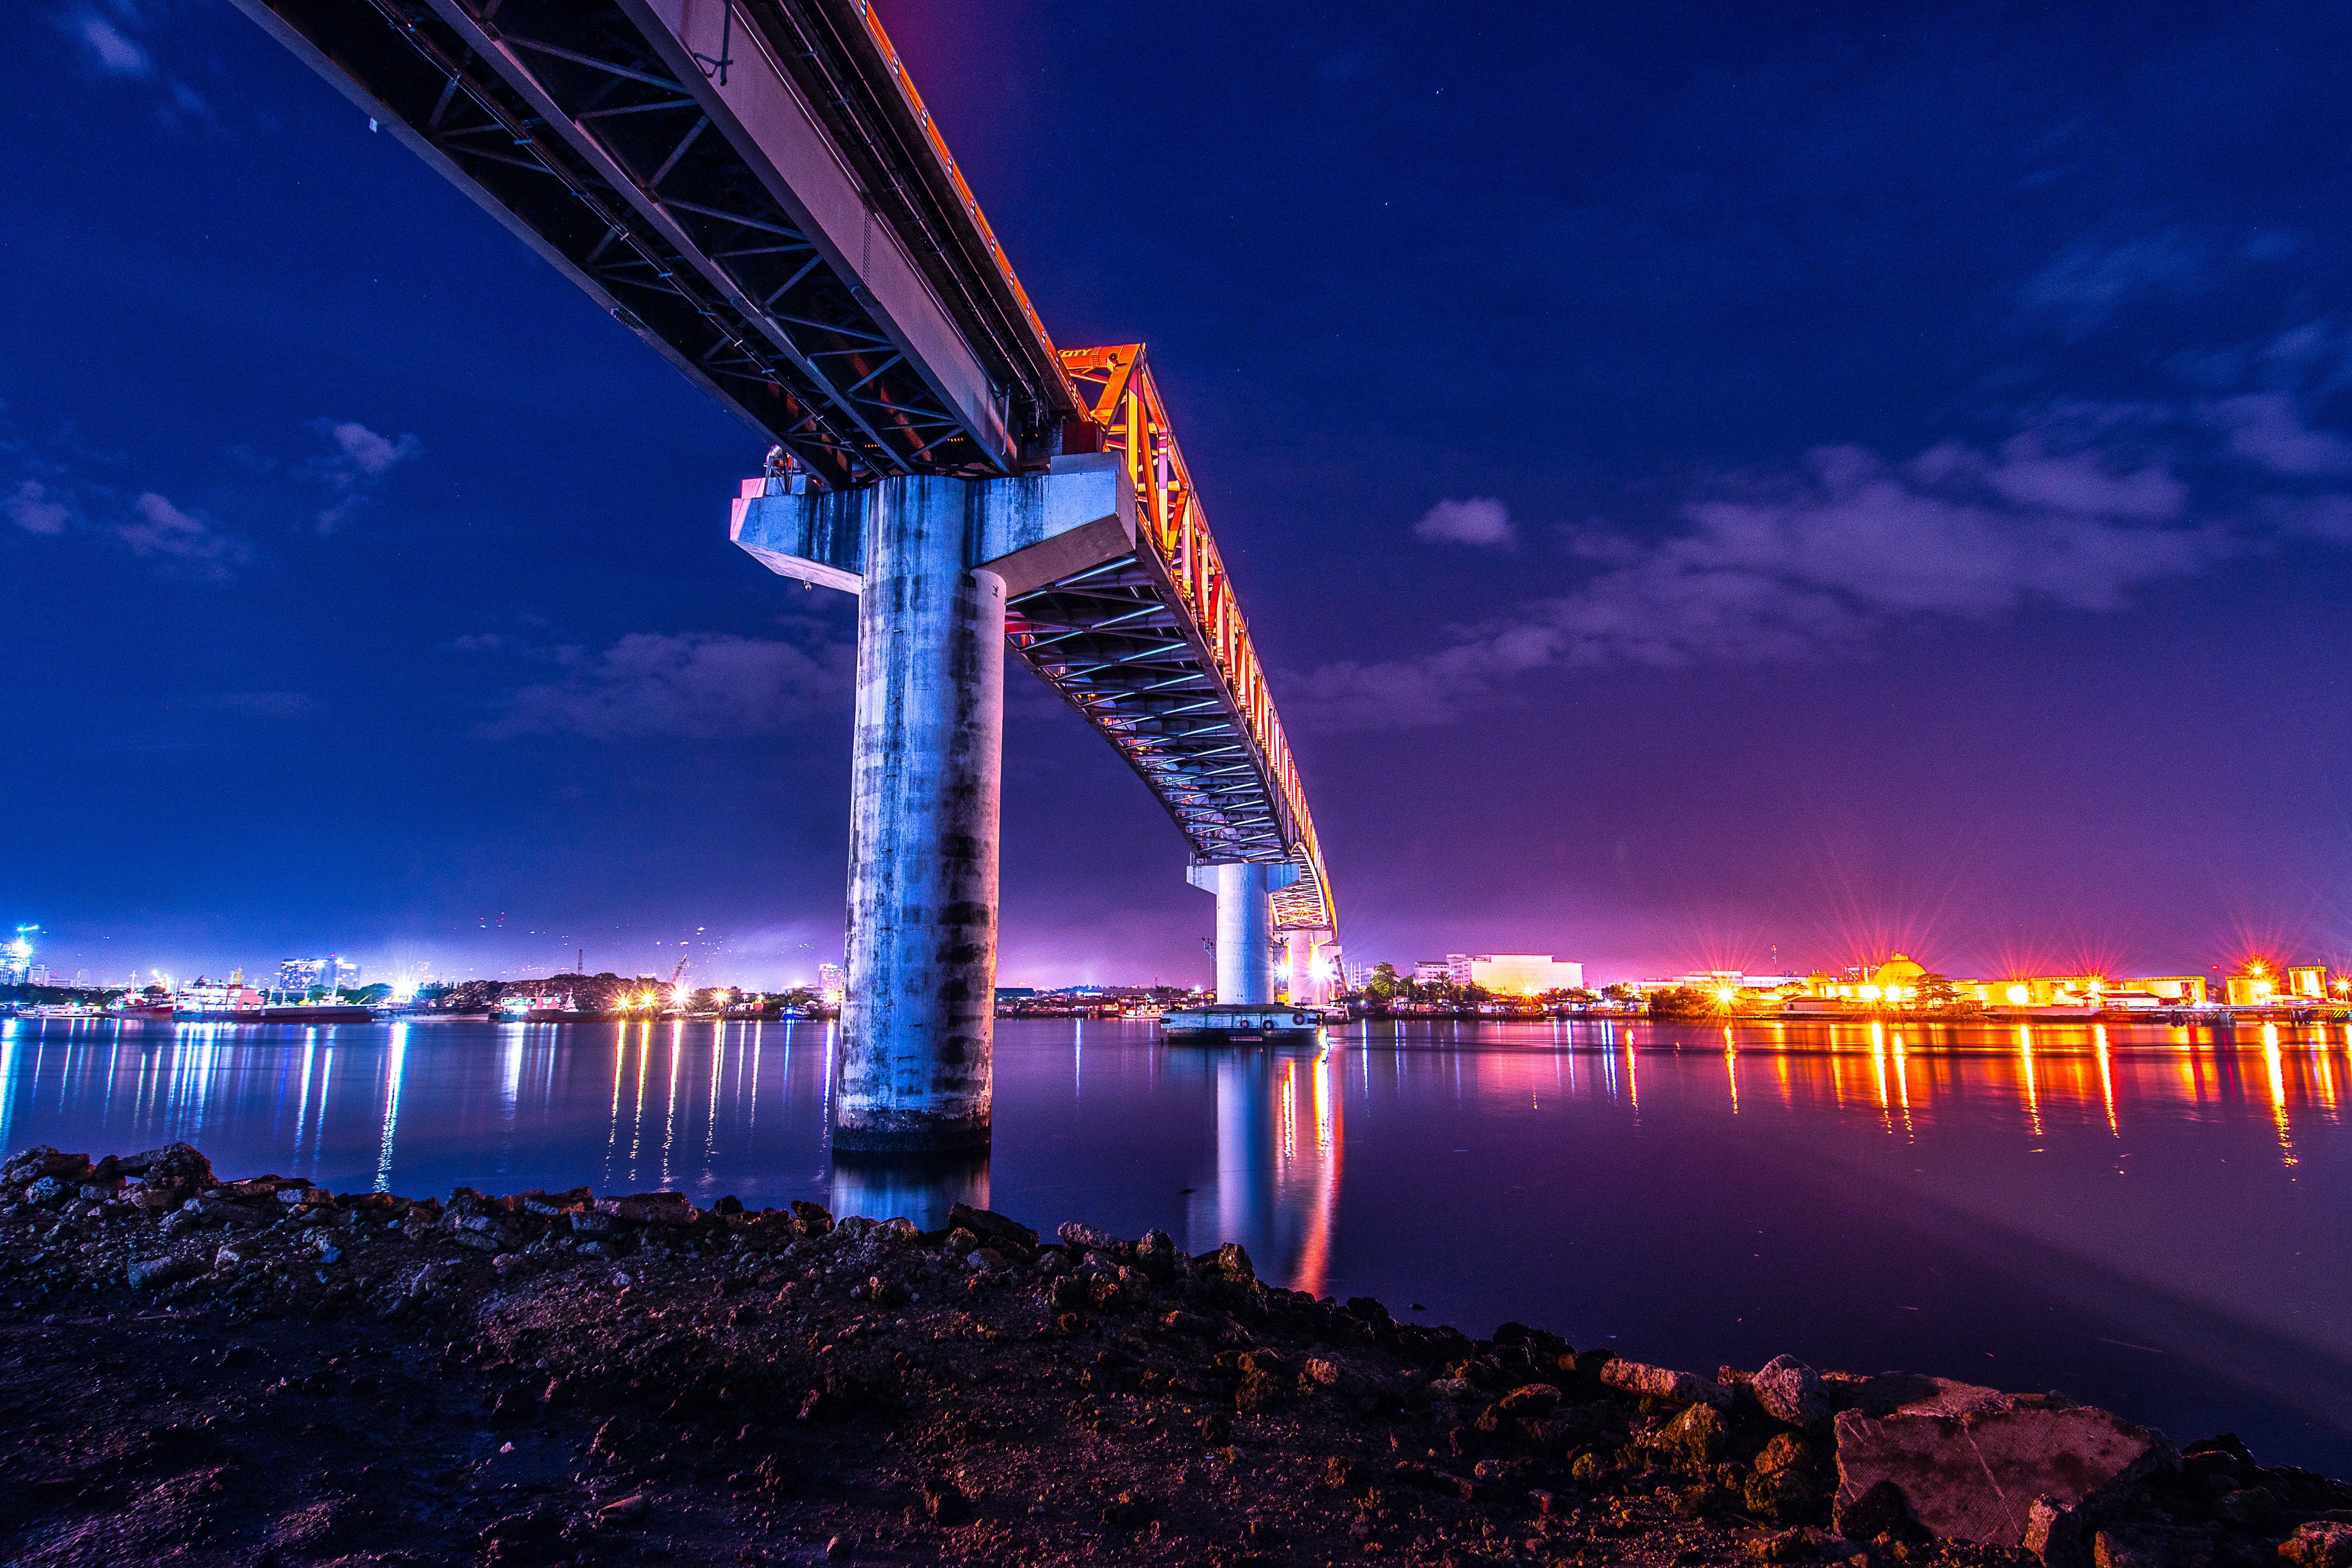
{"x": 1240, "y": 1023}
{"x": 229, "y": 1001}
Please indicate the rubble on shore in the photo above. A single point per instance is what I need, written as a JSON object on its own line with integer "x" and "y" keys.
{"x": 261, "y": 1372}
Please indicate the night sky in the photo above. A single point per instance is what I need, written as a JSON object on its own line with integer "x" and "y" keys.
{"x": 1706, "y": 478}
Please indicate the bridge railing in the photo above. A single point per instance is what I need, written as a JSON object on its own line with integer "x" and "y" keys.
{"x": 1125, "y": 414}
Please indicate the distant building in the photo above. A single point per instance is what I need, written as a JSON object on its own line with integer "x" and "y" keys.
{"x": 330, "y": 974}
{"x": 1437, "y": 970}
{"x": 832, "y": 985}
{"x": 1015, "y": 993}
{"x": 16, "y": 958}
{"x": 1524, "y": 973}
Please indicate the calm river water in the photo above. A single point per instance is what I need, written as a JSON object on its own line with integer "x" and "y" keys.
{"x": 2151, "y": 1220}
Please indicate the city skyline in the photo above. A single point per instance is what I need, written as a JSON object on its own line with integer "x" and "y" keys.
{"x": 1884, "y": 489}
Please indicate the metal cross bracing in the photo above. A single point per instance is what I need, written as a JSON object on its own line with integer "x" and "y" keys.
{"x": 755, "y": 188}
{"x": 1153, "y": 649}
{"x": 641, "y": 166}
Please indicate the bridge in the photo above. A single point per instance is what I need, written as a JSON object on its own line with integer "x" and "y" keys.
{"x": 755, "y": 188}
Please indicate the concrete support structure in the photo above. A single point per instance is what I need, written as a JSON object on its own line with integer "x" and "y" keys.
{"x": 918, "y": 1019}
{"x": 1246, "y": 947}
{"x": 1303, "y": 965}
{"x": 932, "y": 561}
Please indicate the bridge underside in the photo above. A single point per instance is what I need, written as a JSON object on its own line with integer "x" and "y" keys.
{"x": 754, "y": 188}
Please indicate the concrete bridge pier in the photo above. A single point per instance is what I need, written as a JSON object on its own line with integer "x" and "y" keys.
{"x": 932, "y": 561}
{"x": 1303, "y": 965}
{"x": 917, "y": 1022}
{"x": 1247, "y": 948}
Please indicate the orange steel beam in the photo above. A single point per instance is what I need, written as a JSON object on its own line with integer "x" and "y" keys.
{"x": 1115, "y": 387}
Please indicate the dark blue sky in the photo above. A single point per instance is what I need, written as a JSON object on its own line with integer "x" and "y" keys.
{"x": 1709, "y": 478}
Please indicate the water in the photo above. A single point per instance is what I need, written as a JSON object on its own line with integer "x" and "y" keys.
{"x": 2150, "y": 1219}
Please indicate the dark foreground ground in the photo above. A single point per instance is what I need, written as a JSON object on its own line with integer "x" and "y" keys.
{"x": 263, "y": 1372}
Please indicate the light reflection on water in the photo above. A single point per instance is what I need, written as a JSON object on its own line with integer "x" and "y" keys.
{"x": 2147, "y": 1216}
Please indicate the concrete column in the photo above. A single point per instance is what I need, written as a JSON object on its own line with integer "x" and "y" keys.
{"x": 1299, "y": 981}
{"x": 918, "y": 1021}
{"x": 1245, "y": 945}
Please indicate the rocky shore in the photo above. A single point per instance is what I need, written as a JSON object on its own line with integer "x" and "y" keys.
{"x": 261, "y": 1372}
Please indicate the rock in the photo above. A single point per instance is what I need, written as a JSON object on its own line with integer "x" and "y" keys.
{"x": 814, "y": 1219}
{"x": 2322, "y": 1543}
{"x": 43, "y": 1161}
{"x": 1663, "y": 1383}
{"x": 1081, "y": 1238}
{"x": 175, "y": 1166}
{"x": 1458, "y": 1389}
{"x": 228, "y": 1256}
{"x": 1528, "y": 1399}
{"x": 987, "y": 1224}
{"x": 150, "y": 1273}
{"x": 1790, "y": 1390}
{"x": 1229, "y": 1260}
{"x": 1873, "y": 1513}
{"x": 1971, "y": 1464}
{"x": 1783, "y": 1496}
{"x": 1698, "y": 1435}
{"x": 621, "y": 1510}
{"x": 652, "y": 1208}
{"x": 1156, "y": 1254}
{"x": 2151, "y": 1545}
{"x": 2254, "y": 1508}
{"x": 221, "y": 1210}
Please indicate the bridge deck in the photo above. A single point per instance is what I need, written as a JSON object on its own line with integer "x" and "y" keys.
{"x": 755, "y": 189}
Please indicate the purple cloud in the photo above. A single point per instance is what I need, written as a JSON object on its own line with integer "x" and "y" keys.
{"x": 1813, "y": 564}
{"x": 1483, "y": 520}
{"x": 698, "y": 686}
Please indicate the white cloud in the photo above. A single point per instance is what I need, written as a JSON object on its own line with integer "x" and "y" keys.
{"x": 367, "y": 452}
{"x": 699, "y": 686}
{"x": 362, "y": 457}
{"x": 35, "y": 509}
{"x": 116, "y": 55}
{"x": 180, "y": 541}
{"x": 2267, "y": 429}
{"x": 1480, "y": 520}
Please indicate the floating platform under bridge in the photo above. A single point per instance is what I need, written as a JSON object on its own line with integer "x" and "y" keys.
{"x": 1240, "y": 1023}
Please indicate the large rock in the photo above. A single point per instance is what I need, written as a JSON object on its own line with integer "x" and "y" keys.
{"x": 1663, "y": 1382}
{"x": 2322, "y": 1543}
{"x": 1791, "y": 1392}
{"x": 990, "y": 1226}
{"x": 1971, "y": 1464}
{"x": 148, "y": 1273}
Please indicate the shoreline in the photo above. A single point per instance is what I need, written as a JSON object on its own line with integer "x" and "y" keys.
{"x": 260, "y": 1372}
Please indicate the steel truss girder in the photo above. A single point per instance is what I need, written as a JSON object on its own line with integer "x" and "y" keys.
{"x": 589, "y": 130}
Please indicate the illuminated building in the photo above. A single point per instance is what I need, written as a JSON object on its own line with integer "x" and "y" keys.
{"x": 16, "y": 958}
{"x": 2258, "y": 984}
{"x": 832, "y": 985}
{"x": 1454, "y": 969}
{"x": 1524, "y": 973}
{"x": 1889, "y": 984}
